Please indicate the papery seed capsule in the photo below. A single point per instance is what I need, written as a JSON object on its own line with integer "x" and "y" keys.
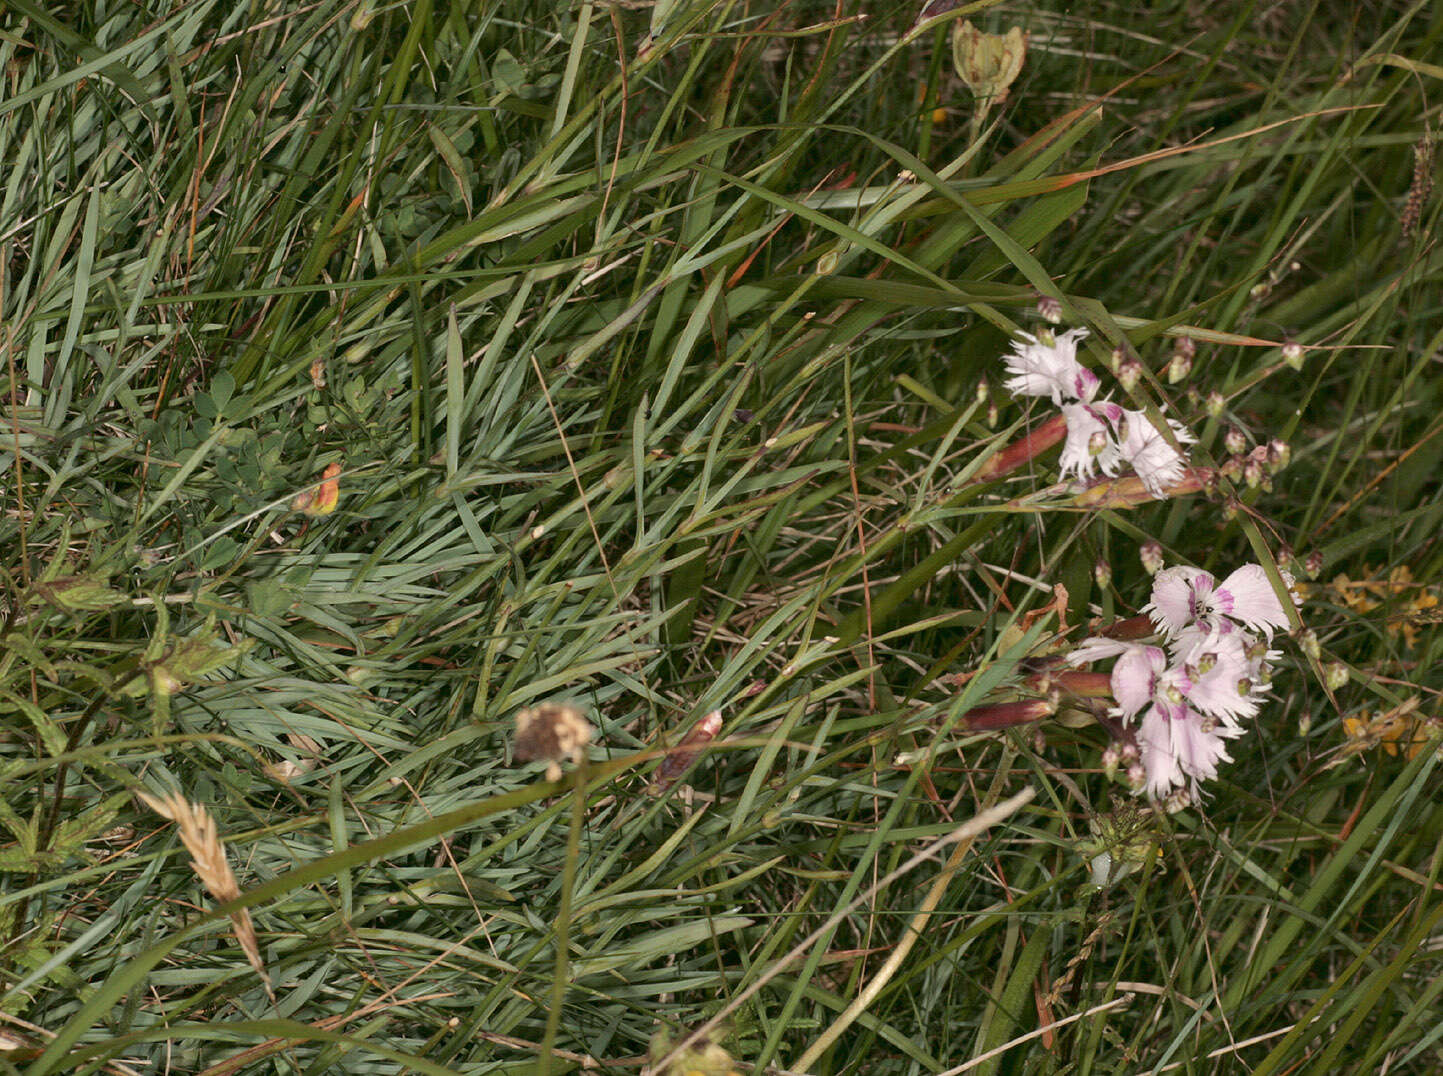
{"x": 1050, "y": 309}
{"x": 1184, "y": 345}
{"x": 1235, "y": 441}
{"x": 1216, "y": 404}
{"x": 1293, "y": 354}
{"x": 1335, "y": 675}
{"x": 1313, "y": 564}
{"x": 1308, "y": 641}
{"x": 1179, "y": 368}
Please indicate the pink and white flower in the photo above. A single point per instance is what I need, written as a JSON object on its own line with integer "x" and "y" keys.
{"x": 1180, "y": 743}
{"x": 1050, "y": 369}
{"x": 1143, "y": 445}
{"x": 1185, "y": 597}
{"x": 1090, "y": 444}
{"x": 1179, "y": 747}
{"x": 1187, "y": 698}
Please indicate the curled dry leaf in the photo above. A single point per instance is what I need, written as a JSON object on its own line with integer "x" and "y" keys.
{"x": 684, "y": 753}
{"x": 287, "y": 769}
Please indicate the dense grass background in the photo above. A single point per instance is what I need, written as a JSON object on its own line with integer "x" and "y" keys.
{"x": 654, "y": 385}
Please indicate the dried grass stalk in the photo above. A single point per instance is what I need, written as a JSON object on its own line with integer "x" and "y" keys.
{"x": 208, "y": 859}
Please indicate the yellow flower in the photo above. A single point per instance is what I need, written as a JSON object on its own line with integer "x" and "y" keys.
{"x": 321, "y": 500}
{"x": 1399, "y": 730}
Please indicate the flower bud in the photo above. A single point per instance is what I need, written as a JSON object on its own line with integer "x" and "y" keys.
{"x": 1129, "y": 373}
{"x": 1097, "y": 443}
{"x": 1179, "y": 368}
{"x": 1136, "y": 776}
{"x": 1313, "y": 565}
{"x": 1260, "y": 290}
{"x": 1102, "y": 572}
{"x": 1130, "y": 753}
{"x": 1279, "y": 455}
{"x": 1179, "y": 799}
{"x": 79, "y": 593}
{"x": 1115, "y": 359}
{"x": 1111, "y": 757}
{"x": 992, "y": 415}
{"x": 1216, "y": 404}
{"x": 1150, "y": 554}
{"x": 1293, "y": 354}
{"x": 1185, "y": 347}
{"x": 1235, "y": 441}
{"x": 1050, "y": 309}
{"x": 1335, "y": 675}
{"x": 1308, "y": 641}
{"x": 984, "y": 391}
{"x": 1232, "y": 468}
{"x": 1289, "y": 560}
{"x": 1252, "y": 473}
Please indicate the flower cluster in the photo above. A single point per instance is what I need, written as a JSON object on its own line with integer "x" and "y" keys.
{"x": 1188, "y": 697}
{"x": 1101, "y": 435}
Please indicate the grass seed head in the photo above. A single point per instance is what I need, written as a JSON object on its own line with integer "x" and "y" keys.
{"x": 201, "y": 838}
{"x": 552, "y": 733}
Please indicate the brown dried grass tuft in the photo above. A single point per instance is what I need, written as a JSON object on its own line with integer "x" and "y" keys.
{"x": 208, "y": 859}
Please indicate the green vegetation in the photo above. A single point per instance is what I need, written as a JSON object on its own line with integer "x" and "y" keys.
{"x": 646, "y": 344}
